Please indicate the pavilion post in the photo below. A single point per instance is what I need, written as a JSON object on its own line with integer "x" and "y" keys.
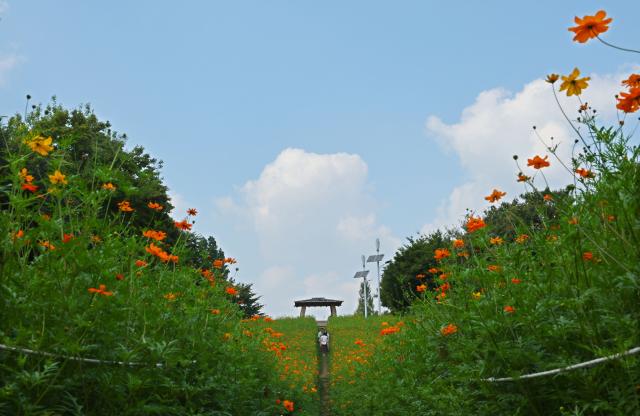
{"x": 333, "y": 310}
{"x": 303, "y": 311}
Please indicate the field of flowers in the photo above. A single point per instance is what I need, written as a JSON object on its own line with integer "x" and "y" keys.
{"x": 102, "y": 309}
{"x": 558, "y": 291}
{"x": 107, "y": 307}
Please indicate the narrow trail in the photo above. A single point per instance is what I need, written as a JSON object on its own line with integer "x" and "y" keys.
{"x": 323, "y": 378}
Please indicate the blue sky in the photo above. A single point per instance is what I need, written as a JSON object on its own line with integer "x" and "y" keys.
{"x": 383, "y": 108}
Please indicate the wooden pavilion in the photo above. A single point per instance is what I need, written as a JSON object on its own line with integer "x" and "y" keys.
{"x": 331, "y": 303}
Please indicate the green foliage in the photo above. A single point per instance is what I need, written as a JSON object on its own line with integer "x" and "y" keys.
{"x": 61, "y": 242}
{"x": 399, "y": 277}
{"x": 560, "y": 289}
{"x": 360, "y": 308}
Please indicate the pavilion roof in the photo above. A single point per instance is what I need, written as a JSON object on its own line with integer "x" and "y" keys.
{"x": 318, "y": 302}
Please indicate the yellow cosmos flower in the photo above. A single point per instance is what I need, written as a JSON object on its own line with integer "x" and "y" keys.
{"x": 58, "y": 178}
{"x": 40, "y": 145}
{"x": 573, "y": 84}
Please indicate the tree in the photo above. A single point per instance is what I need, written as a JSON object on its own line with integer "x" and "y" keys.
{"x": 399, "y": 279}
{"x": 97, "y": 154}
{"x": 360, "y": 309}
{"x": 248, "y": 300}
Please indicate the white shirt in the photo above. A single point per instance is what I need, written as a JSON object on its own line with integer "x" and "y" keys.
{"x": 324, "y": 339}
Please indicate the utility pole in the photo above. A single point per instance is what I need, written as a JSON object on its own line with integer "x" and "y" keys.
{"x": 376, "y": 258}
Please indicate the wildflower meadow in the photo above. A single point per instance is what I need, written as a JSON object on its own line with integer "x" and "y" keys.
{"x": 111, "y": 306}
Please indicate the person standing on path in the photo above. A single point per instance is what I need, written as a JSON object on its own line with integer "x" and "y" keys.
{"x": 324, "y": 342}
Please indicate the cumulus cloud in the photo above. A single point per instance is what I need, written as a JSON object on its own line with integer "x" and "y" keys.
{"x": 312, "y": 217}
{"x": 7, "y": 63}
{"x": 497, "y": 126}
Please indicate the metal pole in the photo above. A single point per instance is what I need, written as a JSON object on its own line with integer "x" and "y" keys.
{"x": 364, "y": 282}
{"x": 378, "y": 262}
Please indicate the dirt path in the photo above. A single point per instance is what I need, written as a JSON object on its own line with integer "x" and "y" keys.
{"x": 323, "y": 378}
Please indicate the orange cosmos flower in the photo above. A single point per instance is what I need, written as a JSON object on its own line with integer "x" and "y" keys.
{"x": 633, "y": 81}
{"x": 587, "y": 255}
{"x": 523, "y": 178}
{"x": 629, "y": 102}
{"x": 548, "y": 197}
{"x": 24, "y": 176}
{"x": 170, "y": 296}
{"x": 124, "y": 206}
{"x": 140, "y": 263}
{"x": 421, "y": 288}
{"x": 359, "y": 342}
{"x": 156, "y": 235}
{"x": 495, "y": 196}
{"x": 390, "y": 330}
{"x": 538, "y": 163}
{"x": 192, "y": 211}
{"x": 433, "y": 270}
{"x": 420, "y": 276}
{"x": 474, "y": 224}
{"x": 590, "y": 27}
{"x": 58, "y": 178}
{"x": 585, "y": 173}
{"x": 552, "y": 78}
{"x": 101, "y": 290}
{"x": 40, "y": 145}
{"x": 496, "y": 240}
{"x": 215, "y": 311}
{"x": 458, "y": 243}
{"x": 231, "y": 291}
{"x": 18, "y": 234}
{"x": 47, "y": 245}
{"x": 155, "y": 206}
{"x": 441, "y": 253}
{"x": 119, "y": 276}
{"x": 230, "y": 260}
{"x": 516, "y": 281}
{"x": 108, "y": 186}
{"x": 161, "y": 254}
{"x": 183, "y": 225}
{"x": 449, "y": 330}
{"x": 288, "y": 405}
{"x": 493, "y": 268}
{"x": 67, "y": 237}
{"x": 573, "y": 221}
{"x": 29, "y": 187}
{"x": 218, "y": 263}
{"x": 573, "y": 84}
{"x": 509, "y": 309}
{"x": 522, "y": 238}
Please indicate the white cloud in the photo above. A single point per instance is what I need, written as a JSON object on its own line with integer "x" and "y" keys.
{"x": 497, "y": 126}
{"x": 180, "y": 205}
{"x": 7, "y": 63}
{"x": 312, "y": 216}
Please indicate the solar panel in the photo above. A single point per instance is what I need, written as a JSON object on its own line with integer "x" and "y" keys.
{"x": 363, "y": 273}
{"x": 375, "y": 258}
